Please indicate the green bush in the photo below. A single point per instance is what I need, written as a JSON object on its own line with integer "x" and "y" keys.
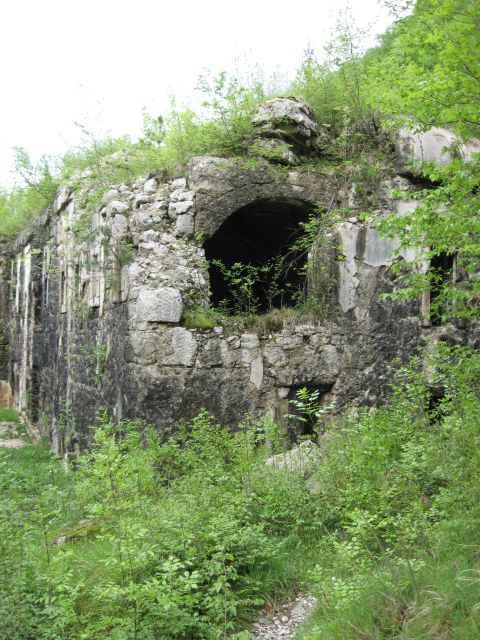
{"x": 398, "y": 495}
{"x": 186, "y": 537}
{"x": 180, "y": 539}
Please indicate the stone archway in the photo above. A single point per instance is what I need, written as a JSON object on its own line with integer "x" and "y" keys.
{"x": 263, "y": 235}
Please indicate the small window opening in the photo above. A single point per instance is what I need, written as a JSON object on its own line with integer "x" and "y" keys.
{"x": 77, "y": 283}
{"x": 306, "y": 404}
{"x": 437, "y": 394}
{"x": 95, "y": 282}
{"x": 255, "y": 263}
{"x": 442, "y": 267}
{"x": 85, "y": 290}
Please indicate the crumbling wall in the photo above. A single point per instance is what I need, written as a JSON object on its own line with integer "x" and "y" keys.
{"x": 97, "y": 305}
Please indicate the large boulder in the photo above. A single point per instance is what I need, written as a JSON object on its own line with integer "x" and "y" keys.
{"x": 301, "y": 459}
{"x": 286, "y": 131}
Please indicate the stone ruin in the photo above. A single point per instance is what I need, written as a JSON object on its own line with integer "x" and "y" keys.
{"x": 99, "y": 320}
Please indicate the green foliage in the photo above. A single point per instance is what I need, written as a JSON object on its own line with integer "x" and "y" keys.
{"x": 240, "y": 279}
{"x": 180, "y": 539}
{"x": 202, "y": 318}
{"x": 444, "y": 223}
{"x": 427, "y": 70}
{"x": 308, "y": 409}
{"x": 9, "y": 415}
{"x": 186, "y": 537}
{"x": 34, "y": 191}
{"x": 398, "y": 495}
{"x": 338, "y": 90}
{"x": 426, "y": 73}
{"x": 230, "y": 106}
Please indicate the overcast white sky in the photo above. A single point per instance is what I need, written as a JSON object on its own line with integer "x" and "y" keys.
{"x": 101, "y": 61}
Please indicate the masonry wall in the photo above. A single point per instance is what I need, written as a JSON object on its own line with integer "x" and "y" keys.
{"x": 94, "y": 308}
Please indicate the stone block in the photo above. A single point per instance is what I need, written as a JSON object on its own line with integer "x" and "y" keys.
{"x": 163, "y": 304}
{"x": 179, "y": 208}
{"x": 179, "y": 195}
{"x": 215, "y": 353}
{"x": 184, "y": 348}
{"x": 179, "y": 183}
{"x": 275, "y": 357}
{"x": 111, "y": 194}
{"x": 184, "y": 225}
{"x": 143, "y": 198}
{"x": 119, "y": 225}
{"x": 144, "y": 346}
{"x": 117, "y": 206}
{"x": 256, "y": 372}
{"x": 150, "y": 186}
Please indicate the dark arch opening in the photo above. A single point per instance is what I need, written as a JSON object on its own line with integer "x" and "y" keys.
{"x": 300, "y": 423}
{"x": 263, "y": 235}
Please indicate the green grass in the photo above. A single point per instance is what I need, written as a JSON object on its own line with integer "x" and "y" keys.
{"x": 436, "y": 596}
{"x": 190, "y": 536}
{"x": 262, "y": 323}
{"x": 9, "y": 415}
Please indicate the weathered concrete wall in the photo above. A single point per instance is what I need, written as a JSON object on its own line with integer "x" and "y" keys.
{"x": 90, "y": 331}
{"x": 438, "y": 144}
{"x": 96, "y": 306}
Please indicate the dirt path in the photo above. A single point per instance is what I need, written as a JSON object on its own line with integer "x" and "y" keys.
{"x": 283, "y": 623}
{"x": 8, "y": 436}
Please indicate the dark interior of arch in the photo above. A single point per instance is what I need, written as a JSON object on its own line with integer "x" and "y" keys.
{"x": 255, "y": 235}
{"x": 442, "y": 266}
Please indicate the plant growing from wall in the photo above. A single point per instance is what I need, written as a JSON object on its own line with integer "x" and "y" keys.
{"x": 240, "y": 279}
{"x": 308, "y": 409}
{"x": 317, "y": 245}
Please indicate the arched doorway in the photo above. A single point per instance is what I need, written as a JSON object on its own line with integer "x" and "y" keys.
{"x": 257, "y": 248}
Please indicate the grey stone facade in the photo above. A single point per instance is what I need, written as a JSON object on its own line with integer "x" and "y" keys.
{"x": 98, "y": 321}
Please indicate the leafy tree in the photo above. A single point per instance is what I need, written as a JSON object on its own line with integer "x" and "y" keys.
{"x": 446, "y": 222}
{"x": 427, "y": 72}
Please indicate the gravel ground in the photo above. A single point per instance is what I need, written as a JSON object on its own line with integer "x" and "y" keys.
{"x": 6, "y": 440}
{"x": 285, "y": 619}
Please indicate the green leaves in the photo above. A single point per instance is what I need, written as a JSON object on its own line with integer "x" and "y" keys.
{"x": 427, "y": 72}
{"x": 445, "y": 223}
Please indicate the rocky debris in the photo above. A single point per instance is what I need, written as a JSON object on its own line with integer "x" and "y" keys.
{"x": 286, "y": 131}
{"x": 299, "y": 459}
{"x": 150, "y": 186}
{"x": 8, "y": 439}
{"x": 286, "y": 619}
